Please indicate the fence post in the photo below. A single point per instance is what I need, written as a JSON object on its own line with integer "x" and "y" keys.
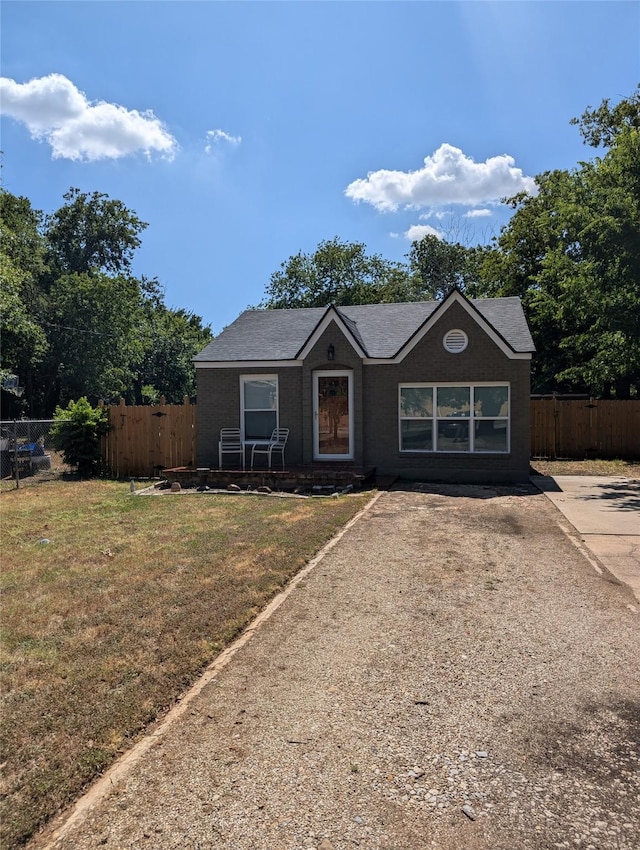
{"x": 186, "y": 401}
{"x": 591, "y": 449}
{"x": 15, "y": 453}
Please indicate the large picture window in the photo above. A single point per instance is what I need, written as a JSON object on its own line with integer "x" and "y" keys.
{"x": 258, "y": 406}
{"x": 454, "y": 418}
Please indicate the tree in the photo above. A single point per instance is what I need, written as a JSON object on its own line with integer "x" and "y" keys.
{"x": 338, "y": 273}
{"x": 603, "y": 291}
{"x": 76, "y": 432}
{"x": 75, "y": 321}
{"x": 22, "y": 250}
{"x": 601, "y": 126}
{"x": 170, "y": 340}
{"x": 69, "y": 305}
{"x": 572, "y": 253}
{"x": 92, "y": 233}
{"x": 22, "y": 241}
{"x": 342, "y": 273}
{"x": 24, "y": 342}
{"x": 439, "y": 266}
{"x": 93, "y": 333}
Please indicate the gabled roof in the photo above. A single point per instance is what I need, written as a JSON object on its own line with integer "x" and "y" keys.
{"x": 377, "y": 331}
{"x": 348, "y": 327}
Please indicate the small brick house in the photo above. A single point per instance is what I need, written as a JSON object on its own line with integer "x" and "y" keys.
{"x": 434, "y": 391}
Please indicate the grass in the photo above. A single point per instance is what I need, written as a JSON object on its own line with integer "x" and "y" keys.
{"x": 107, "y": 623}
{"x": 622, "y": 468}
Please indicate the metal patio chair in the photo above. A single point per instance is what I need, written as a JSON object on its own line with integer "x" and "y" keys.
{"x": 230, "y": 444}
{"x": 276, "y": 444}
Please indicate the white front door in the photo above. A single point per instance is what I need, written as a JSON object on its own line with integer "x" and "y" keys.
{"x": 333, "y": 415}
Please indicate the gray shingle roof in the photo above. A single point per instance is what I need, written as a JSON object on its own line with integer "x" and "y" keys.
{"x": 380, "y": 329}
{"x": 506, "y": 316}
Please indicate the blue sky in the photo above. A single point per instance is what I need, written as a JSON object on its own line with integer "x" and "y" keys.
{"x": 244, "y": 132}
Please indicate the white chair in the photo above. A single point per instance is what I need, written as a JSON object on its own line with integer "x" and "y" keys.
{"x": 230, "y": 444}
{"x": 276, "y": 444}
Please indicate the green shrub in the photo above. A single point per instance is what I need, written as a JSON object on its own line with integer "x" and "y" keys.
{"x": 76, "y": 433}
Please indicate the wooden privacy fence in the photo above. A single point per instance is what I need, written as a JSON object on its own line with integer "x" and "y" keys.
{"x": 145, "y": 439}
{"x": 572, "y": 428}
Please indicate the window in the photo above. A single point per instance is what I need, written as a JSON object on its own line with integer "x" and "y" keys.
{"x": 454, "y": 418}
{"x": 416, "y": 418}
{"x": 453, "y": 414}
{"x": 258, "y": 406}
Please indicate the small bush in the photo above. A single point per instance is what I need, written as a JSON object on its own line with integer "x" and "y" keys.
{"x": 76, "y": 433}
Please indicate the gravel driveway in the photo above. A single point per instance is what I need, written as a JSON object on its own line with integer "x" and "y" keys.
{"x": 453, "y": 675}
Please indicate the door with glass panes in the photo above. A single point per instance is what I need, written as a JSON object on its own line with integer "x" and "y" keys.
{"x": 333, "y": 415}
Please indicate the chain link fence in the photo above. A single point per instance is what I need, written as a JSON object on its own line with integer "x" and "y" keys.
{"x": 27, "y": 454}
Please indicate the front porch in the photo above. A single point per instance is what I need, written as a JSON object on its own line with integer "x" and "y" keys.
{"x": 326, "y": 478}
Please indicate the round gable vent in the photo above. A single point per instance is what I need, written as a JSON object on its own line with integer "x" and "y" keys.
{"x": 455, "y": 341}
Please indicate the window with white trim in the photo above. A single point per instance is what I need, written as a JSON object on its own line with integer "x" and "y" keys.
{"x": 258, "y": 406}
{"x": 454, "y": 417}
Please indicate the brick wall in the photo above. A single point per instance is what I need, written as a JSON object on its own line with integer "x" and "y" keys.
{"x": 219, "y": 407}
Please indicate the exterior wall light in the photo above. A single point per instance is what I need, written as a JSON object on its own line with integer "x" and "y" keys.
{"x": 331, "y": 352}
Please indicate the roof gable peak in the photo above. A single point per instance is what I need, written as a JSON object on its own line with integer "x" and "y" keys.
{"x": 346, "y": 325}
{"x": 456, "y": 296}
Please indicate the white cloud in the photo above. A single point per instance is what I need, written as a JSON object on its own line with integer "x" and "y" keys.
{"x": 418, "y": 231}
{"x": 214, "y": 137}
{"x": 478, "y": 213}
{"x": 439, "y": 214}
{"x": 54, "y": 110}
{"x": 448, "y": 177}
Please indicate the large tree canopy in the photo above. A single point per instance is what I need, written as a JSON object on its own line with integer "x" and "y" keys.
{"x": 75, "y": 321}
{"x": 572, "y": 252}
{"x": 342, "y": 273}
{"x": 337, "y": 273}
{"x": 601, "y": 126}
{"x": 92, "y": 233}
{"x": 438, "y": 266}
{"x": 98, "y": 357}
{"x": 22, "y": 251}
{"x": 170, "y": 338}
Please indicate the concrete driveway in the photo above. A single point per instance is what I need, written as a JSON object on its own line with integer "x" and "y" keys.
{"x": 605, "y": 512}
